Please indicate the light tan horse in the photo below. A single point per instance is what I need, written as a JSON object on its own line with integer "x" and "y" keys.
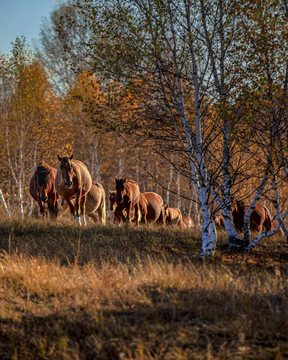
{"x": 188, "y": 222}
{"x": 173, "y": 216}
{"x": 95, "y": 204}
{"x": 73, "y": 180}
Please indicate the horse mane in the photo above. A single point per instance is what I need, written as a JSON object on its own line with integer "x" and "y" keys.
{"x": 240, "y": 206}
{"x": 43, "y": 173}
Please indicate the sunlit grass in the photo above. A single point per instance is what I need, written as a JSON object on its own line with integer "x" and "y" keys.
{"x": 137, "y": 293}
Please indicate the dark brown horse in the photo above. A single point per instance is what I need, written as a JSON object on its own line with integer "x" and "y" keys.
{"x": 42, "y": 188}
{"x": 173, "y": 216}
{"x": 119, "y": 215}
{"x": 188, "y": 222}
{"x": 95, "y": 204}
{"x": 260, "y": 217}
{"x": 73, "y": 180}
{"x": 128, "y": 196}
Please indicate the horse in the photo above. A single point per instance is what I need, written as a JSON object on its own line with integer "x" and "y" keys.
{"x": 154, "y": 207}
{"x": 173, "y": 216}
{"x": 117, "y": 209}
{"x": 73, "y": 180}
{"x": 280, "y": 230}
{"x": 219, "y": 222}
{"x": 42, "y": 188}
{"x": 95, "y": 204}
{"x": 128, "y": 196}
{"x": 259, "y": 218}
{"x": 188, "y": 222}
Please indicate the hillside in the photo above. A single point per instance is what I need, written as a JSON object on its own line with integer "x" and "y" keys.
{"x": 127, "y": 293}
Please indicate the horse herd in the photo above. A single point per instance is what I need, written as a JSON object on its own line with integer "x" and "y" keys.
{"x": 260, "y": 218}
{"x": 73, "y": 183}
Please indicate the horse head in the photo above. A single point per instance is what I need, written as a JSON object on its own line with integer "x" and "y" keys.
{"x": 240, "y": 206}
{"x": 166, "y": 211}
{"x": 120, "y": 189}
{"x": 66, "y": 170}
{"x": 112, "y": 199}
{"x": 43, "y": 182}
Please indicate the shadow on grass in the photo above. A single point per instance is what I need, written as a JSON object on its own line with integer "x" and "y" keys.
{"x": 189, "y": 323}
{"x": 69, "y": 243}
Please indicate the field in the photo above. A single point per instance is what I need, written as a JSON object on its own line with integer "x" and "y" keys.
{"x": 138, "y": 293}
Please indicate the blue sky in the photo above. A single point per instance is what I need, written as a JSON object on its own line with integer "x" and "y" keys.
{"x": 21, "y": 17}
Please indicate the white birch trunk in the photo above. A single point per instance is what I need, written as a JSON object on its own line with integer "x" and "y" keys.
{"x": 96, "y": 161}
{"x": 169, "y": 182}
{"x": 5, "y": 204}
{"x": 178, "y": 191}
{"x": 277, "y": 207}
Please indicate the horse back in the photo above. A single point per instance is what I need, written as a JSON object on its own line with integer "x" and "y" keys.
{"x": 85, "y": 179}
{"x": 154, "y": 205}
{"x": 132, "y": 191}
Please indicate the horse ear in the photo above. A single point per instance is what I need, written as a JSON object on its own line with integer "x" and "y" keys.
{"x": 59, "y": 157}
{"x": 125, "y": 180}
{"x": 165, "y": 206}
{"x": 71, "y": 157}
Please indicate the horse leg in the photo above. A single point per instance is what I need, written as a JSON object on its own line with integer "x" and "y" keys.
{"x": 77, "y": 202}
{"x": 138, "y": 215}
{"x": 82, "y": 209}
{"x": 72, "y": 209}
{"x": 55, "y": 206}
{"x": 129, "y": 212}
{"x": 102, "y": 211}
{"x": 42, "y": 209}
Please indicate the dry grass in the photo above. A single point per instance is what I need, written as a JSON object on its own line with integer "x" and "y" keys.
{"x": 122, "y": 293}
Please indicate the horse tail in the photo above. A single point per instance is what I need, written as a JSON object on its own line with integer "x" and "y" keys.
{"x": 103, "y": 207}
{"x": 101, "y": 211}
{"x": 268, "y": 224}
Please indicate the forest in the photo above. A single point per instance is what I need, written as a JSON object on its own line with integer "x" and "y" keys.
{"x": 193, "y": 109}
{"x": 189, "y": 99}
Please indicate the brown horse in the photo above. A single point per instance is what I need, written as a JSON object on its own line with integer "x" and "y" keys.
{"x": 95, "y": 206}
{"x": 219, "y": 222}
{"x": 173, "y": 216}
{"x": 259, "y": 218}
{"x": 153, "y": 207}
{"x": 73, "y": 180}
{"x": 188, "y": 222}
{"x": 128, "y": 196}
{"x": 117, "y": 209}
{"x": 42, "y": 188}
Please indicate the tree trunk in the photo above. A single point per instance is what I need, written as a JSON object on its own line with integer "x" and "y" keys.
{"x": 4, "y": 204}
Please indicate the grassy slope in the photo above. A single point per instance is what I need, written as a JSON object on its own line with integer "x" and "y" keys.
{"x": 109, "y": 293}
